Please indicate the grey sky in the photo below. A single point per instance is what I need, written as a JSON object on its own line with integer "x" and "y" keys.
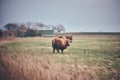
{"x": 75, "y": 15}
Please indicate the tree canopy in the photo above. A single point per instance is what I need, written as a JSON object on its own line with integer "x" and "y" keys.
{"x": 11, "y": 26}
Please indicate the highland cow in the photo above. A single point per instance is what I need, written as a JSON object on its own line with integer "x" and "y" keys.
{"x": 60, "y": 43}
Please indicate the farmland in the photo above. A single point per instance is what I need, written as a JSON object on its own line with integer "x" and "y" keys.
{"x": 89, "y": 57}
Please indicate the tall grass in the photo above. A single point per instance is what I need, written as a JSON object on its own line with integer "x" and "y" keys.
{"x": 27, "y": 67}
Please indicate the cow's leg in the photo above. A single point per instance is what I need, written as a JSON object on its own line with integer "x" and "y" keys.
{"x": 53, "y": 50}
{"x": 61, "y": 50}
{"x": 58, "y": 50}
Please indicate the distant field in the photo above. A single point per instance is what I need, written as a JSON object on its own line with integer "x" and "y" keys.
{"x": 89, "y": 57}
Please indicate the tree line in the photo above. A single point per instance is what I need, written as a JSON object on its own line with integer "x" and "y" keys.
{"x": 32, "y": 28}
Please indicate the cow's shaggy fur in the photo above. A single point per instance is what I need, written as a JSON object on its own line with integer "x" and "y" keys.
{"x": 60, "y": 43}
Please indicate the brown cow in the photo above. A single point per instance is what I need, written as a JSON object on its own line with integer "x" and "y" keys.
{"x": 60, "y": 44}
{"x": 60, "y": 36}
{"x": 69, "y": 37}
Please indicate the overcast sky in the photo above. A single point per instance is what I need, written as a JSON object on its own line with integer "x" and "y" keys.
{"x": 75, "y": 15}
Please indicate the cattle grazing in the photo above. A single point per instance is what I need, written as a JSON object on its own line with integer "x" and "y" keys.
{"x": 60, "y": 43}
{"x": 69, "y": 37}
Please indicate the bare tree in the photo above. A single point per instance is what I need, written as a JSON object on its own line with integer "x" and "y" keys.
{"x": 23, "y": 28}
{"x": 60, "y": 28}
{"x": 28, "y": 24}
{"x": 38, "y": 26}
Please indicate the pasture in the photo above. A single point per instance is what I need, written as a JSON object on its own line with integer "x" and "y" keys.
{"x": 89, "y": 57}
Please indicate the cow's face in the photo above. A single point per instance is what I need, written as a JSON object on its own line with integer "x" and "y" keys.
{"x": 70, "y": 38}
{"x": 67, "y": 42}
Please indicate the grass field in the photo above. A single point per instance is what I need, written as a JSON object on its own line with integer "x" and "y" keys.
{"x": 89, "y": 57}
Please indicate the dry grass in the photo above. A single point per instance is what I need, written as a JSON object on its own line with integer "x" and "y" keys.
{"x": 4, "y": 40}
{"x": 27, "y": 67}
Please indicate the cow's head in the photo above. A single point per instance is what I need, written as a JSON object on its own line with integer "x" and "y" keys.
{"x": 69, "y": 37}
{"x": 67, "y": 42}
